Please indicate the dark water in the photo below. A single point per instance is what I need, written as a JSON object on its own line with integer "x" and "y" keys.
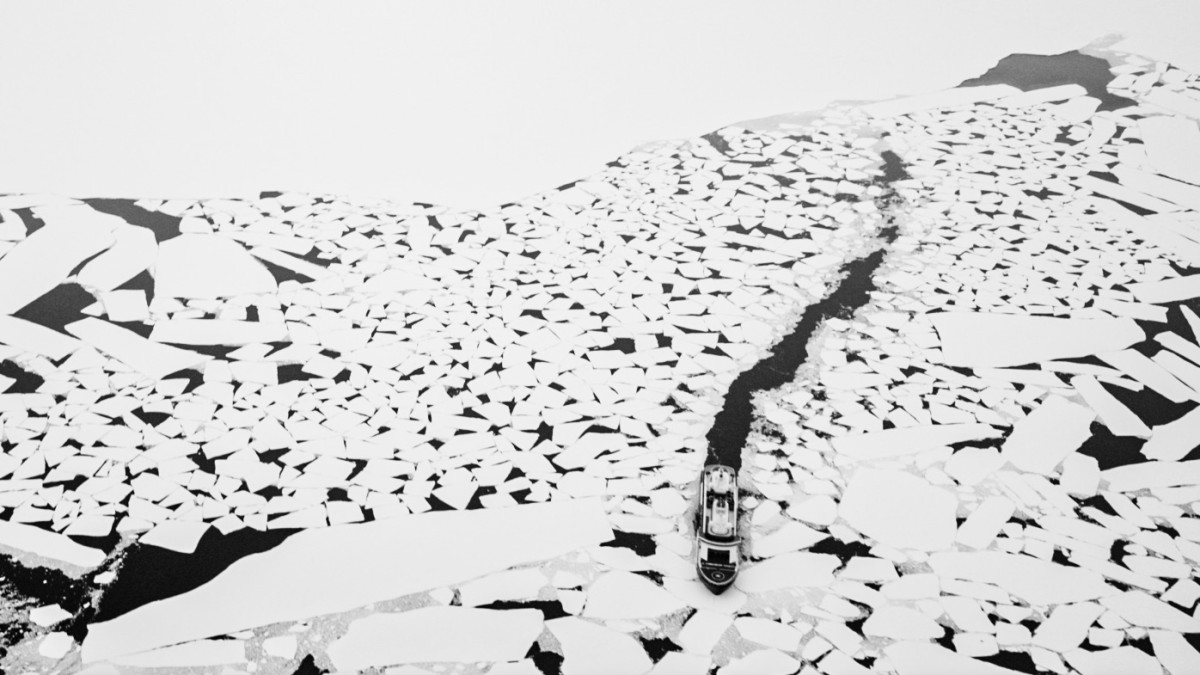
{"x": 150, "y": 573}
{"x": 163, "y": 225}
{"x": 732, "y": 423}
{"x": 1034, "y": 71}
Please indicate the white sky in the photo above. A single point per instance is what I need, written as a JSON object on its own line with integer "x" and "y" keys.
{"x": 468, "y": 103}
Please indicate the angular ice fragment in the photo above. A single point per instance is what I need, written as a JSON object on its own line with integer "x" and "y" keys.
{"x": 1121, "y": 421}
{"x": 1067, "y": 626}
{"x": 1172, "y": 146}
{"x": 180, "y": 536}
{"x": 1141, "y": 368}
{"x": 1133, "y": 477}
{"x": 134, "y": 252}
{"x": 1167, "y": 290}
{"x": 981, "y": 340}
{"x": 217, "y": 332}
{"x": 624, "y": 595}
{"x": 34, "y": 338}
{"x": 1045, "y": 436}
{"x": 899, "y": 509}
{"x": 443, "y": 634}
{"x": 985, "y": 522}
{"x": 1176, "y": 439}
{"x": 909, "y": 440}
{"x": 1038, "y": 582}
{"x": 190, "y": 654}
{"x": 901, "y": 623}
{"x": 790, "y": 570}
{"x": 592, "y": 649}
{"x": 208, "y": 266}
{"x": 32, "y": 268}
{"x": 151, "y": 359}
{"x": 1142, "y": 609}
{"x": 47, "y": 544}
{"x": 925, "y": 658}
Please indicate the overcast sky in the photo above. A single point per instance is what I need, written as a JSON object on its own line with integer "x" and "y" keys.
{"x": 467, "y": 103}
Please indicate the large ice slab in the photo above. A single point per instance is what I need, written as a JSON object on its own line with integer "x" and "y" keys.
{"x": 948, "y": 98}
{"x": 133, "y": 252}
{"x": 924, "y": 658}
{"x": 591, "y": 649}
{"x": 1132, "y": 477}
{"x": 1172, "y": 146}
{"x": 977, "y": 339}
{"x": 899, "y": 509}
{"x": 149, "y": 358}
{"x": 344, "y": 567}
{"x": 217, "y": 332}
{"x": 436, "y": 634}
{"x": 1038, "y": 582}
{"x": 1044, "y": 437}
{"x": 208, "y": 266}
{"x": 34, "y": 338}
{"x": 624, "y": 595}
{"x": 1167, "y": 290}
{"x": 46, "y": 258}
{"x": 909, "y": 440}
{"x": 1120, "y": 420}
{"x": 798, "y": 569}
{"x": 47, "y": 544}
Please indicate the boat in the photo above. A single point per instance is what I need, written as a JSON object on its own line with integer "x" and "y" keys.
{"x": 717, "y": 542}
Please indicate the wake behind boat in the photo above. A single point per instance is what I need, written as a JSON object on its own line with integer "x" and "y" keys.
{"x": 717, "y": 539}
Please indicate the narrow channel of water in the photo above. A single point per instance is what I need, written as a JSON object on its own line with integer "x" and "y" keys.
{"x": 732, "y": 424}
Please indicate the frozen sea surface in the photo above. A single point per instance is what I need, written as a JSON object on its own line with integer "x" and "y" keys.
{"x": 951, "y": 340}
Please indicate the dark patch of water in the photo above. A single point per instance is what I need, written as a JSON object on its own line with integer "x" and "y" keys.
{"x": 164, "y": 226}
{"x": 550, "y": 609}
{"x": 1112, "y": 451}
{"x": 141, "y": 282}
{"x": 26, "y": 382}
{"x": 657, "y": 648}
{"x": 732, "y": 423}
{"x": 641, "y": 544}
{"x": 150, "y": 573}
{"x": 308, "y": 666}
{"x": 62, "y": 305}
{"x": 549, "y": 663}
{"x": 32, "y": 222}
{"x": 1036, "y": 71}
{"x": 1021, "y": 662}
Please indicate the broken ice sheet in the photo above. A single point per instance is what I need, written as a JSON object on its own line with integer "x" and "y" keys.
{"x": 1172, "y": 146}
{"x": 624, "y": 595}
{"x": 899, "y": 509}
{"x": 190, "y": 654}
{"x": 217, "y": 332}
{"x": 45, "y": 258}
{"x": 909, "y": 440}
{"x": 181, "y": 536}
{"x": 436, "y": 634}
{"x": 35, "y": 338}
{"x": 46, "y": 544}
{"x": 350, "y": 566}
{"x": 976, "y": 340}
{"x": 1036, "y": 581}
{"x": 591, "y": 649}
{"x": 208, "y": 266}
{"x": 1045, "y": 436}
{"x": 151, "y": 359}
{"x": 132, "y": 252}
